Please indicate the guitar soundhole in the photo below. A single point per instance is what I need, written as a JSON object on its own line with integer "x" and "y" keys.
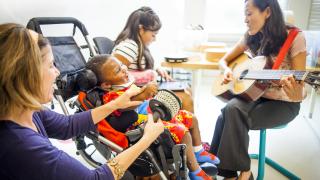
{"x": 243, "y": 74}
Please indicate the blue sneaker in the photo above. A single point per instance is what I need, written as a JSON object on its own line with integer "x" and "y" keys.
{"x": 209, "y": 169}
{"x": 203, "y": 156}
{"x": 199, "y": 174}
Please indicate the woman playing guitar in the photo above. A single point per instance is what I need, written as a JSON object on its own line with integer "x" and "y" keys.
{"x": 279, "y": 104}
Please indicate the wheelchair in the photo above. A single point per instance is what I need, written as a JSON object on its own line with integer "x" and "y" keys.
{"x": 163, "y": 157}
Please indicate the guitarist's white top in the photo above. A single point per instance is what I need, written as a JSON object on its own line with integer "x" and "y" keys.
{"x": 298, "y": 46}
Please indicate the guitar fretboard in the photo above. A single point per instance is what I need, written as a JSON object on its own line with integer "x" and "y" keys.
{"x": 272, "y": 74}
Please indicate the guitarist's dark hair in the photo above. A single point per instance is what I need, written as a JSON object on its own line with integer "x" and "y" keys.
{"x": 274, "y": 32}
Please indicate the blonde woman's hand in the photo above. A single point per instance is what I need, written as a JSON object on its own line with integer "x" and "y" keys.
{"x": 152, "y": 129}
{"x": 293, "y": 88}
{"x": 124, "y": 101}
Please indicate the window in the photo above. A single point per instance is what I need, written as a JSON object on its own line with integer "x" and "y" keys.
{"x": 314, "y": 18}
{"x": 227, "y": 16}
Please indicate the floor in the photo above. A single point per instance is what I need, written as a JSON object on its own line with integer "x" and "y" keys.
{"x": 296, "y": 147}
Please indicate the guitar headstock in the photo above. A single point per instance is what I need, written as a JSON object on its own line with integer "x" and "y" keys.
{"x": 313, "y": 79}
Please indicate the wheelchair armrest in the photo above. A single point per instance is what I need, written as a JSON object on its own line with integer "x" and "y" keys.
{"x": 134, "y": 135}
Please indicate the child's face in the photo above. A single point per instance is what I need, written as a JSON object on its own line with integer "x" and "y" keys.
{"x": 114, "y": 72}
{"x": 147, "y": 36}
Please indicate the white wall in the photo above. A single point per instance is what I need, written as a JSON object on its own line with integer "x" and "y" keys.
{"x": 101, "y": 17}
{"x": 108, "y": 17}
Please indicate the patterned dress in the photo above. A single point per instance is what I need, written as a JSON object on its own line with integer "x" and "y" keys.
{"x": 177, "y": 126}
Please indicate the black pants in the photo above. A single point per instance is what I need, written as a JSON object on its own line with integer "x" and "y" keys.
{"x": 231, "y": 140}
{"x": 124, "y": 121}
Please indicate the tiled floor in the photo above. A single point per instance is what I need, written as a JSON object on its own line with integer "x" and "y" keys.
{"x": 296, "y": 147}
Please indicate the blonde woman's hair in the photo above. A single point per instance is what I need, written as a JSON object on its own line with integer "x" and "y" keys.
{"x": 20, "y": 74}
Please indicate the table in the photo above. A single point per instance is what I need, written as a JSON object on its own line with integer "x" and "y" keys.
{"x": 196, "y": 64}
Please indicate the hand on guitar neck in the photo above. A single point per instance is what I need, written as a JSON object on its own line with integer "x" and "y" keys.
{"x": 292, "y": 87}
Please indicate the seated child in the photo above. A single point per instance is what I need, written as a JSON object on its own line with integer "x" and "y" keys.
{"x": 114, "y": 79}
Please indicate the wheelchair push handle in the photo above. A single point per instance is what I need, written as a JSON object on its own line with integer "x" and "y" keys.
{"x": 35, "y": 23}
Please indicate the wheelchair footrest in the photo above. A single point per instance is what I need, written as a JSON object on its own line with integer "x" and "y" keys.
{"x": 180, "y": 160}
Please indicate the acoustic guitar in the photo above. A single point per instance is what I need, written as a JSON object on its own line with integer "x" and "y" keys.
{"x": 251, "y": 77}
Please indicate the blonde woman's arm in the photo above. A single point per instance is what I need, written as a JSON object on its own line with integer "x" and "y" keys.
{"x": 122, "y": 102}
{"x": 151, "y": 131}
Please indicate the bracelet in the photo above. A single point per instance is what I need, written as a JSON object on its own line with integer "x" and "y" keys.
{"x": 117, "y": 169}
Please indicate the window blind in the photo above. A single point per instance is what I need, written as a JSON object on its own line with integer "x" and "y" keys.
{"x": 314, "y": 18}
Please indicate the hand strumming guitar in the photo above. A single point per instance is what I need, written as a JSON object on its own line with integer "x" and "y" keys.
{"x": 227, "y": 72}
{"x": 228, "y": 75}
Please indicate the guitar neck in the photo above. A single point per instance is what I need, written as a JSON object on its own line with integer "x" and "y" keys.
{"x": 272, "y": 74}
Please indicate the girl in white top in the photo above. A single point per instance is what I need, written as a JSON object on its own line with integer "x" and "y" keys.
{"x": 131, "y": 48}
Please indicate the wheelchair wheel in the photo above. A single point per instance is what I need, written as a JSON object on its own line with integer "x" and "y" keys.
{"x": 142, "y": 166}
{"x": 96, "y": 151}
{"x": 93, "y": 152}
{"x": 96, "y": 154}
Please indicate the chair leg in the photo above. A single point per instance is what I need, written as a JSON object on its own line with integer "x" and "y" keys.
{"x": 281, "y": 169}
{"x": 261, "y": 156}
{"x": 262, "y": 159}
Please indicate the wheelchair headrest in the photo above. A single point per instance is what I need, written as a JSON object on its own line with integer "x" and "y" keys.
{"x": 89, "y": 95}
{"x": 104, "y": 45}
{"x": 86, "y": 80}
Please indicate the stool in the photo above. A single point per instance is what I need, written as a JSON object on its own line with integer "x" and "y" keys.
{"x": 262, "y": 159}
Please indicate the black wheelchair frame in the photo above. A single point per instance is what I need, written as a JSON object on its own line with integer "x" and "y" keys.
{"x": 70, "y": 64}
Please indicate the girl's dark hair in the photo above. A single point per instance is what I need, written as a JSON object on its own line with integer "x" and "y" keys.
{"x": 150, "y": 21}
{"x": 274, "y": 32}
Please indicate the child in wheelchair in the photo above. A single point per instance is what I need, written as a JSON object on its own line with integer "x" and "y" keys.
{"x": 113, "y": 78}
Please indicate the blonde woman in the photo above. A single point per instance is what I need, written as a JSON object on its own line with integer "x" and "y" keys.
{"x": 27, "y": 76}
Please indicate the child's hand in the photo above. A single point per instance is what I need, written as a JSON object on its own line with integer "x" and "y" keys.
{"x": 164, "y": 74}
{"x": 125, "y": 101}
{"x": 151, "y": 89}
{"x": 147, "y": 92}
